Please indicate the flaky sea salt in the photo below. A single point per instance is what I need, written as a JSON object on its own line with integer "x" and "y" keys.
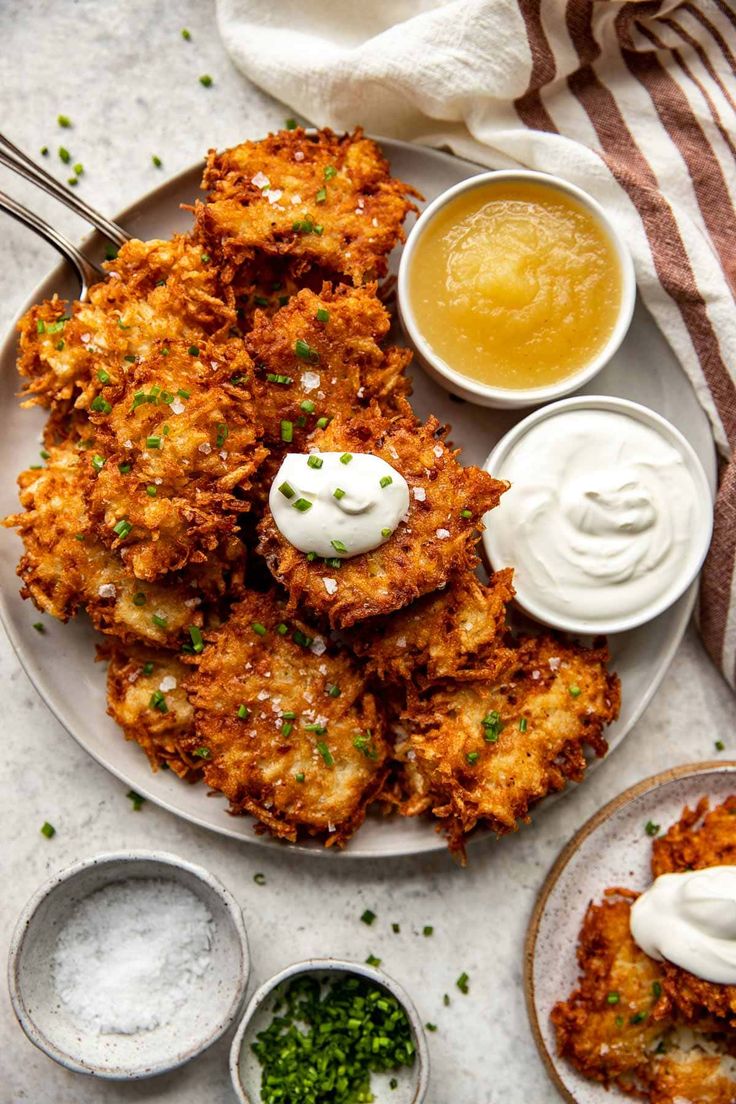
{"x": 129, "y": 955}
{"x": 442, "y": 534}
{"x": 419, "y": 493}
{"x": 107, "y": 590}
{"x": 168, "y": 682}
{"x": 330, "y": 584}
{"x": 260, "y": 180}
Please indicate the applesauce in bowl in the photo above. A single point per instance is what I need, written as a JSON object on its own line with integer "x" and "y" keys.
{"x": 515, "y": 288}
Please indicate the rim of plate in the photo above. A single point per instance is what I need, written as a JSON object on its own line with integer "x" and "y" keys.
{"x": 509, "y": 397}
{"x": 434, "y": 843}
{"x": 672, "y": 774}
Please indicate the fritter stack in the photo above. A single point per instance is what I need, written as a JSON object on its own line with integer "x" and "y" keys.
{"x": 303, "y": 689}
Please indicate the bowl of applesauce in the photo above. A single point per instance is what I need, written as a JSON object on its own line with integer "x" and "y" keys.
{"x": 515, "y": 288}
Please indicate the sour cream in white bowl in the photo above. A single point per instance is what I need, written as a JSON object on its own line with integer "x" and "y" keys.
{"x": 608, "y": 518}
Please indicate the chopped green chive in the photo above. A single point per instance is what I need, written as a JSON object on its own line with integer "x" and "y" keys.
{"x": 322, "y": 315}
{"x": 103, "y": 376}
{"x": 243, "y": 713}
{"x": 574, "y": 691}
{"x": 321, "y": 196}
{"x": 136, "y": 799}
{"x": 202, "y": 753}
{"x": 124, "y": 468}
{"x": 287, "y": 728}
{"x": 139, "y": 599}
{"x": 386, "y": 532}
{"x": 322, "y": 423}
{"x": 346, "y": 458}
{"x": 186, "y": 35}
{"x": 446, "y": 1000}
{"x": 431, "y": 1026}
{"x": 304, "y": 641}
{"x": 330, "y": 172}
{"x": 492, "y": 726}
{"x": 333, "y": 690}
{"x": 372, "y": 961}
{"x": 393, "y": 1083}
{"x": 302, "y": 505}
{"x": 282, "y": 630}
{"x": 396, "y": 928}
{"x": 222, "y": 432}
{"x": 122, "y": 528}
{"x": 111, "y": 252}
{"x": 522, "y": 724}
{"x": 100, "y": 405}
{"x": 44, "y": 151}
{"x": 47, "y": 830}
{"x": 472, "y": 757}
{"x": 386, "y": 480}
{"x": 287, "y": 490}
{"x": 466, "y": 514}
{"x": 304, "y": 350}
{"x": 338, "y": 546}
{"x": 72, "y": 180}
{"x": 258, "y": 628}
{"x": 79, "y": 168}
{"x": 147, "y": 668}
{"x": 315, "y": 461}
{"x": 324, "y": 751}
{"x": 151, "y": 490}
{"x": 463, "y": 983}
{"x": 638, "y": 1017}
{"x": 158, "y": 701}
{"x": 613, "y": 997}
{"x": 65, "y": 155}
{"x": 193, "y": 351}
{"x": 98, "y": 462}
{"x": 153, "y": 442}
{"x": 290, "y": 124}
{"x": 197, "y": 639}
{"x": 39, "y": 627}
{"x": 720, "y": 746}
{"x": 338, "y": 493}
{"x": 651, "y": 828}
{"x": 63, "y": 121}
{"x": 317, "y": 728}
{"x": 157, "y": 161}
{"x": 287, "y": 432}
{"x": 299, "y": 776}
{"x": 656, "y": 990}
{"x": 307, "y": 406}
{"x": 427, "y": 930}
{"x": 259, "y": 879}
{"x": 159, "y": 621}
{"x": 274, "y": 377}
{"x": 368, "y": 916}
{"x": 206, "y": 80}
{"x": 79, "y": 536}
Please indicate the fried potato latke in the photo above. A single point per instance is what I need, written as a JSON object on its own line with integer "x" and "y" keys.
{"x": 146, "y": 697}
{"x": 610, "y": 1026}
{"x": 156, "y": 291}
{"x": 488, "y": 749}
{"x": 177, "y": 451}
{"x": 320, "y": 200}
{"x": 290, "y": 732}
{"x": 454, "y": 633}
{"x": 700, "y": 838}
{"x": 436, "y": 541}
{"x": 65, "y": 568}
{"x": 319, "y": 356}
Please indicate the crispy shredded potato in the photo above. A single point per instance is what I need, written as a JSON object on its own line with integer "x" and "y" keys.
{"x": 291, "y": 734}
{"x": 156, "y": 291}
{"x": 342, "y": 366}
{"x": 321, "y": 200}
{"x": 488, "y": 749}
{"x": 145, "y": 696}
{"x": 455, "y": 633}
{"x": 179, "y": 450}
{"x": 433, "y": 543}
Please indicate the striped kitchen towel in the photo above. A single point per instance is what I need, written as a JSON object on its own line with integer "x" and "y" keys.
{"x": 633, "y": 101}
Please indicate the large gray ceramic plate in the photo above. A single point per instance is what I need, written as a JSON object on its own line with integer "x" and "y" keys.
{"x": 60, "y": 664}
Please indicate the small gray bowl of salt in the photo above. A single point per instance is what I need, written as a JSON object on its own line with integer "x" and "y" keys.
{"x": 128, "y": 965}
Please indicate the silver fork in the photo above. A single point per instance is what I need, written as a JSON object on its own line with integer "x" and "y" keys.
{"x": 87, "y": 271}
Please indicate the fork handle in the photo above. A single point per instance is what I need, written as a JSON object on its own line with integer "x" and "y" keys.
{"x": 88, "y": 272}
{"x": 14, "y": 158}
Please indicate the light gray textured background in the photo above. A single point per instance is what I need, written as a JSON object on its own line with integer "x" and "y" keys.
{"x": 129, "y": 82}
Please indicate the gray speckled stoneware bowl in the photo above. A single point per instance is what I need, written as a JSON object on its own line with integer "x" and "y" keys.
{"x": 245, "y": 1069}
{"x": 612, "y": 849}
{"x": 215, "y": 1000}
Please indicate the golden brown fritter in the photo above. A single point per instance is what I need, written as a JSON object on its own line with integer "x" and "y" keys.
{"x": 175, "y": 440}
{"x": 489, "y": 749}
{"x": 610, "y": 1025}
{"x": 156, "y": 291}
{"x": 436, "y": 541}
{"x": 455, "y": 633}
{"x": 320, "y": 356}
{"x": 145, "y": 696}
{"x": 699, "y": 839}
{"x": 291, "y": 733}
{"x": 64, "y": 568}
{"x": 319, "y": 199}
{"x": 690, "y": 1076}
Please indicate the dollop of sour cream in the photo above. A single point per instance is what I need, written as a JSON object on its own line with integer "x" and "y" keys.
{"x": 690, "y": 920}
{"x": 603, "y": 519}
{"x": 337, "y": 504}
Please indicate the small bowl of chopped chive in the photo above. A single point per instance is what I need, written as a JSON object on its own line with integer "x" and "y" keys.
{"x": 330, "y": 1032}
{"x": 128, "y": 965}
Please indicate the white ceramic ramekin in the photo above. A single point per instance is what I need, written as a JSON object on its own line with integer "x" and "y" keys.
{"x": 245, "y": 1069}
{"x": 530, "y": 602}
{"x": 506, "y": 397}
{"x": 213, "y": 1005}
